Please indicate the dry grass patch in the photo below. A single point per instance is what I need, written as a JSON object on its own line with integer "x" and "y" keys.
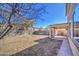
{"x": 11, "y": 45}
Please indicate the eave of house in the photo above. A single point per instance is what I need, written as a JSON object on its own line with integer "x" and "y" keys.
{"x": 67, "y": 9}
{"x": 70, "y": 8}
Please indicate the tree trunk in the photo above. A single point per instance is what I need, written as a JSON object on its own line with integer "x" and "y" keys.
{"x": 7, "y": 29}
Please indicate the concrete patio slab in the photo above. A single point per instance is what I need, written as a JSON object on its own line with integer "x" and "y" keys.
{"x": 65, "y": 49}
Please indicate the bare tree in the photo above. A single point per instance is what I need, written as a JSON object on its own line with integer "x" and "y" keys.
{"x": 19, "y": 12}
{"x": 28, "y": 24}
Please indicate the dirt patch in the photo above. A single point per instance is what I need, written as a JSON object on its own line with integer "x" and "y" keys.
{"x": 45, "y": 47}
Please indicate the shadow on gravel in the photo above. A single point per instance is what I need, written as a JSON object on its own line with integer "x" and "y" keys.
{"x": 45, "y": 47}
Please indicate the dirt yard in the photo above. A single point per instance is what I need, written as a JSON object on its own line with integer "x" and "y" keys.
{"x": 29, "y": 45}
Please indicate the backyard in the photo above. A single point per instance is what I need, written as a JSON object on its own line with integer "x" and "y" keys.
{"x": 33, "y": 45}
{"x": 35, "y": 29}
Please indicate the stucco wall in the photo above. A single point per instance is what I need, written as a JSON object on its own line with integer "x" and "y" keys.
{"x": 60, "y": 32}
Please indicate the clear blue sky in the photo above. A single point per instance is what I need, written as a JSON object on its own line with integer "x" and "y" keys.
{"x": 56, "y": 14}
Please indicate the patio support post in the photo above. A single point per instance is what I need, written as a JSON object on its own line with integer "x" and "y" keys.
{"x": 72, "y": 27}
{"x": 50, "y": 32}
{"x": 54, "y": 32}
{"x": 71, "y": 20}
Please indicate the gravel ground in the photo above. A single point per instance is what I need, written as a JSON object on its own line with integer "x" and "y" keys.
{"x": 45, "y": 47}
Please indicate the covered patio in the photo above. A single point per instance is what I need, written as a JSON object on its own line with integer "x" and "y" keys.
{"x": 70, "y": 45}
{"x": 59, "y": 30}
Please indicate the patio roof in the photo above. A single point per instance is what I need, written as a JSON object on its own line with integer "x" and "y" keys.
{"x": 64, "y": 25}
{"x": 67, "y": 9}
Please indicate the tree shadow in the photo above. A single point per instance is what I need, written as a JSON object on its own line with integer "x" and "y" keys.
{"x": 45, "y": 47}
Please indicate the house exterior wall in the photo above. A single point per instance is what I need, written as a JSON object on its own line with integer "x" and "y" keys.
{"x": 61, "y": 32}
{"x": 70, "y": 19}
